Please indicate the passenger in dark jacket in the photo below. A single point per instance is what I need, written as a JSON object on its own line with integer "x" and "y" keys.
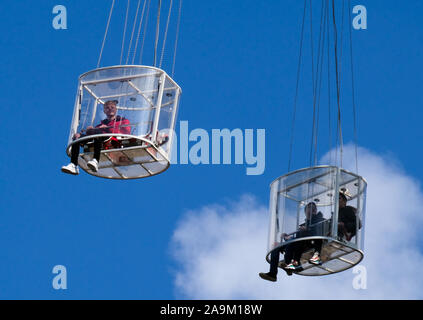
{"x": 347, "y": 219}
{"x": 294, "y": 250}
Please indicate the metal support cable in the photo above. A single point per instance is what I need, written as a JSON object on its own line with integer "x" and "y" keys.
{"x": 156, "y": 42}
{"x": 105, "y": 33}
{"x": 176, "y": 37}
{"x": 329, "y": 83}
{"x": 353, "y": 92}
{"x": 296, "y": 88}
{"x": 316, "y": 91}
{"x": 165, "y": 34}
{"x": 133, "y": 31}
{"x": 124, "y": 32}
{"x": 139, "y": 32}
{"x": 145, "y": 31}
{"x": 337, "y": 81}
{"x": 320, "y": 75}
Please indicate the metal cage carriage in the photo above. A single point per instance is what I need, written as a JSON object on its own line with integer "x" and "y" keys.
{"x": 147, "y": 98}
{"x": 288, "y": 197}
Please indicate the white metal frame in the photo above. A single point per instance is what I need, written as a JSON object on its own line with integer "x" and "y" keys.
{"x": 346, "y": 247}
{"x": 145, "y": 141}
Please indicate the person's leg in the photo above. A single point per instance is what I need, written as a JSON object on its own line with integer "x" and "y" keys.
{"x": 98, "y": 143}
{"x": 75, "y": 153}
{"x": 274, "y": 261}
{"x": 72, "y": 168}
{"x": 298, "y": 250}
{"x": 317, "y": 245}
{"x": 289, "y": 253}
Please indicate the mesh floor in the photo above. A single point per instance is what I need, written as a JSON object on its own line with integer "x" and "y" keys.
{"x": 131, "y": 163}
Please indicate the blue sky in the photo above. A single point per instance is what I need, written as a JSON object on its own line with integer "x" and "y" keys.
{"x": 236, "y": 64}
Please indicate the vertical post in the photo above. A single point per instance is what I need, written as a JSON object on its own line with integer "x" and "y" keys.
{"x": 363, "y": 214}
{"x": 336, "y": 202}
{"x": 274, "y": 215}
{"x": 298, "y": 215}
{"x": 76, "y": 113}
{"x": 94, "y": 112}
{"x": 172, "y": 122}
{"x": 158, "y": 107}
{"x": 358, "y": 213}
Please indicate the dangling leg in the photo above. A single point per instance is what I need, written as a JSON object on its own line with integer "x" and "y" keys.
{"x": 317, "y": 246}
{"x": 93, "y": 164}
{"x": 98, "y": 143}
{"x": 72, "y": 168}
{"x": 272, "y": 274}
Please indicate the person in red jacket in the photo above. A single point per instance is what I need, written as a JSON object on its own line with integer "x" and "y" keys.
{"x": 112, "y": 124}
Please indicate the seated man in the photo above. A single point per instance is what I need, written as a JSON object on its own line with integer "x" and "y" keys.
{"x": 294, "y": 250}
{"x": 112, "y": 124}
{"x": 347, "y": 219}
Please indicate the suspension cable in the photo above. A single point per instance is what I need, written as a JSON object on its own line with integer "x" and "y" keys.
{"x": 329, "y": 84}
{"x": 176, "y": 38}
{"x": 316, "y": 91}
{"x": 337, "y": 82}
{"x": 296, "y": 88}
{"x": 139, "y": 32}
{"x": 105, "y": 34}
{"x": 320, "y": 75}
{"x": 124, "y": 32}
{"x": 353, "y": 91}
{"x": 165, "y": 34}
{"x": 145, "y": 31}
{"x": 133, "y": 31}
{"x": 156, "y": 42}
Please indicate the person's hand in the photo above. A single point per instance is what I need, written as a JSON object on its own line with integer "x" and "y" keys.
{"x": 90, "y": 130}
{"x": 76, "y": 136}
{"x": 102, "y": 126}
{"x": 303, "y": 228}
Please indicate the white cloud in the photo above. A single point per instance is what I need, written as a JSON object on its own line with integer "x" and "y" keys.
{"x": 221, "y": 248}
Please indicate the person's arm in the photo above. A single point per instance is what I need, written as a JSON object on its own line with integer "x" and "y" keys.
{"x": 125, "y": 127}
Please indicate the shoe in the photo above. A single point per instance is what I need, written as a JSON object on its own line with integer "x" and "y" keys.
{"x": 71, "y": 169}
{"x": 283, "y": 265}
{"x": 267, "y": 276}
{"x": 315, "y": 259}
{"x": 93, "y": 165}
{"x": 293, "y": 268}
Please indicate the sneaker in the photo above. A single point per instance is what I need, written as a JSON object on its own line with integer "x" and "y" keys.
{"x": 267, "y": 276}
{"x": 93, "y": 165}
{"x": 315, "y": 259}
{"x": 71, "y": 169}
{"x": 283, "y": 265}
{"x": 294, "y": 267}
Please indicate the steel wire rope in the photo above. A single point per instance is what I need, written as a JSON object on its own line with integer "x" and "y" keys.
{"x": 139, "y": 32}
{"x": 313, "y": 144}
{"x": 145, "y": 31}
{"x": 320, "y": 86}
{"x": 296, "y": 88}
{"x": 337, "y": 83}
{"x": 105, "y": 33}
{"x": 165, "y": 33}
{"x": 156, "y": 42}
{"x": 124, "y": 32}
{"x": 133, "y": 31}
{"x": 176, "y": 37}
{"x": 353, "y": 91}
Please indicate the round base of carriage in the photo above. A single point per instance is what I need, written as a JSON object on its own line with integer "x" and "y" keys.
{"x": 132, "y": 158}
{"x": 336, "y": 256}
